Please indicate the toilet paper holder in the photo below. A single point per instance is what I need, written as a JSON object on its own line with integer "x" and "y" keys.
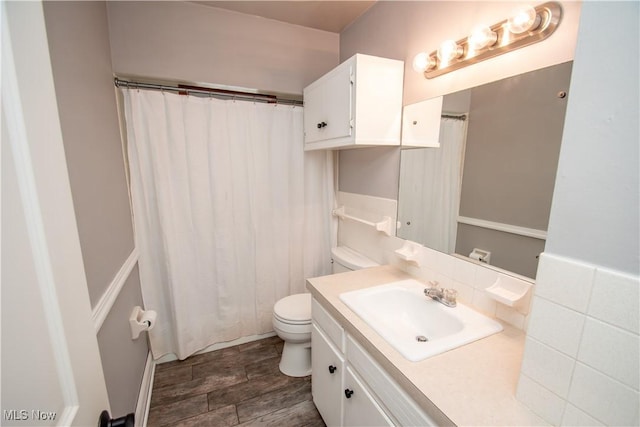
{"x": 141, "y": 320}
{"x": 481, "y": 255}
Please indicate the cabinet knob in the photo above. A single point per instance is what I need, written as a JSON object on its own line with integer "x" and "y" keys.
{"x": 321, "y": 125}
{"x": 348, "y": 393}
{"x": 332, "y": 369}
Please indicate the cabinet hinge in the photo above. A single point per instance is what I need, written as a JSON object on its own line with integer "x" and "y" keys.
{"x": 351, "y": 123}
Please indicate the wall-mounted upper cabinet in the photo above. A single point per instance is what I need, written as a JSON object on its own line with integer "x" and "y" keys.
{"x": 421, "y": 124}
{"x": 358, "y": 103}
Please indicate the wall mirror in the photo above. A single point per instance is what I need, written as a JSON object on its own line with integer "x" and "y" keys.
{"x": 490, "y": 183}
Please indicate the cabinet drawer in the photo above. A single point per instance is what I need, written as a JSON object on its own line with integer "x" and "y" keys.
{"x": 399, "y": 404}
{"x": 327, "y": 324}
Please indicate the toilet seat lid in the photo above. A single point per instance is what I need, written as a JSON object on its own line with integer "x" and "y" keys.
{"x": 294, "y": 308}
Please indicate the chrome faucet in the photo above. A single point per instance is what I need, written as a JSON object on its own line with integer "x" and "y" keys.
{"x": 442, "y": 295}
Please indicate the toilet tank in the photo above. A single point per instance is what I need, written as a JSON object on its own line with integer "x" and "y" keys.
{"x": 346, "y": 259}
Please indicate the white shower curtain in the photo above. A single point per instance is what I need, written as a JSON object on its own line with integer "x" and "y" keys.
{"x": 430, "y": 180}
{"x": 230, "y": 214}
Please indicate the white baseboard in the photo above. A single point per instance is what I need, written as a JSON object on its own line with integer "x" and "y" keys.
{"x": 144, "y": 397}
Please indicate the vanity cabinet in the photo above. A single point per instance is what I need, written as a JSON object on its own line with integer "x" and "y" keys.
{"x": 358, "y": 103}
{"x": 344, "y": 377}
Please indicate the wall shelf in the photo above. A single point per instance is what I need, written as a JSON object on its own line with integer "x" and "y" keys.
{"x": 508, "y": 291}
{"x": 409, "y": 252}
{"x": 384, "y": 224}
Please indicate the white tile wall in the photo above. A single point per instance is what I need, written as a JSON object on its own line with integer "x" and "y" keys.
{"x": 549, "y": 366}
{"x": 485, "y": 277}
{"x": 612, "y": 351}
{"x": 464, "y": 271}
{"x": 576, "y": 418}
{"x": 616, "y": 299}
{"x": 604, "y": 398}
{"x": 556, "y": 326}
{"x": 583, "y": 317}
{"x": 566, "y": 284}
{"x": 465, "y": 292}
{"x": 510, "y": 315}
{"x": 541, "y": 401}
{"x": 482, "y": 302}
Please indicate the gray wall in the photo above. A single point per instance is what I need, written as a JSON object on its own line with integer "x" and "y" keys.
{"x": 372, "y": 171}
{"x": 191, "y": 42}
{"x": 79, "y": 45}
{"x": 80, "y": 56}
{"x": 595, "y": 212}
{"x": 123, "y": 358}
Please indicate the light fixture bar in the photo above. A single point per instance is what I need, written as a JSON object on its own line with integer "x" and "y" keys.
{"x": 549, "y": 13}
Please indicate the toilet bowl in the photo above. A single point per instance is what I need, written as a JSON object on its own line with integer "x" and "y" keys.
{"x": 292, "y": 316}
{"x": 292, "y": 323}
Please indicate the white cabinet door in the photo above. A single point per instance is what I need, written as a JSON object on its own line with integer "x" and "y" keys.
{"x": 338, "y": 99}
{"x": 360, "y": 409}
{"x": 313, "y": 113}
{"x": 421, "y": 123}
{"x": 326, "y": 382}
{"x": 328, "y": 106}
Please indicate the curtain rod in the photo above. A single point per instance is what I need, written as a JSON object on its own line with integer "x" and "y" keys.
{"x": 450, "y": 116}
{"x": 183, "y": 89}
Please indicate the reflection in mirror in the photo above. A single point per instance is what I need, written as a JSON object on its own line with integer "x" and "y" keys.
{"x": 489, "y": 185}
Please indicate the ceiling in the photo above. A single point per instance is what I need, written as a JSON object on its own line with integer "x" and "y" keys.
{"x": 325, "y": 15}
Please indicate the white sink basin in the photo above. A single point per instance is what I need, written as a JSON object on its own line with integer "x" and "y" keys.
{"x": 404, "y": 316}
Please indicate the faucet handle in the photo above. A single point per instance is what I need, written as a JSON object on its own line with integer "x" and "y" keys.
{"x": 433, "y": 284}
{"x": 450, "y": 296}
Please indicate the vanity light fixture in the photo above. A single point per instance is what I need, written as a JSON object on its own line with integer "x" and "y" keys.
{"x": 423, "y": 62}
{"x": 481, "y": 38}
{"x": 524, "y": 19}
{"x": 448, "y": 51}
{"x": 528, "y": 25}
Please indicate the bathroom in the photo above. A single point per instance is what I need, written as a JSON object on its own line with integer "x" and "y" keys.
{"x": 593, "y": 228}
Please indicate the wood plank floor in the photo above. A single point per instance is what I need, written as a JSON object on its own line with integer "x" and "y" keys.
{"x": 239, "y": 385}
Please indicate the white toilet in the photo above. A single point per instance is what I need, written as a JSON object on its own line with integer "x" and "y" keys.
{"x": 292, "y": 316}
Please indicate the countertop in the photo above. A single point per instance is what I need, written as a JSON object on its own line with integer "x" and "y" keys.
{"x": 472, "y": 385}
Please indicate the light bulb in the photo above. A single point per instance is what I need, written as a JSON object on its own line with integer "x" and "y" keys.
{"x": 482, "y": 37}
{"x": 524, "y": 20}
{"x": 449, "y": 50}
{"x": 423, "y": 62}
